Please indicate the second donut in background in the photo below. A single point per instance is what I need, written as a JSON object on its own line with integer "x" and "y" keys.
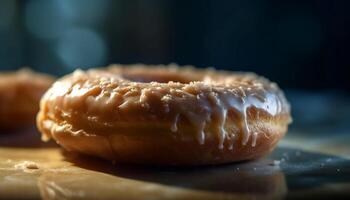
{"x": 20, "y": 95}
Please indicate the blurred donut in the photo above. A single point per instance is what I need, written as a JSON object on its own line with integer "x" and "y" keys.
{"x": 20, "y": 96}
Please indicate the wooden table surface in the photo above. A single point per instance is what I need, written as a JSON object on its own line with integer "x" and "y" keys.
{"x": 313, "y": 161}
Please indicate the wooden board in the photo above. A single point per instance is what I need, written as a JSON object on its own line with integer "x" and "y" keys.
{"x": 30, "y": 169}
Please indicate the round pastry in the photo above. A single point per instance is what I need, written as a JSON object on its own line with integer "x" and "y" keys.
{"x": 20, "y": 96}
{"x": 165, "y": 114}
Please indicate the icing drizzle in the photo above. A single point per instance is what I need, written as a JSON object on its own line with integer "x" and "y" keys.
{"x": 205, "y": 103}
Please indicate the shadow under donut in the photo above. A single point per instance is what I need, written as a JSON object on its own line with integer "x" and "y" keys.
{"x": 286, "y": 169}
{"x": 27, "y": 137}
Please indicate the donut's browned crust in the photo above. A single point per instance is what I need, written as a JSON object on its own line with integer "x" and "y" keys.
{"x": 165, "y": 115}
{"x": 20, "y": 96}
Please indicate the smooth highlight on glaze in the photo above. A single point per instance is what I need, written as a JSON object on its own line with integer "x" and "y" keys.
{"x": 191, "y": 103}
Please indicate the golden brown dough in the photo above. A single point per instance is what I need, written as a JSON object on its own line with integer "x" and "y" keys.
{"x": 165, "y": 114}
{"x": 20, "y": 95}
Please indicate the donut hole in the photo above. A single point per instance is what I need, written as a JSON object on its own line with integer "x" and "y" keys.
{"x": 147, "y": 77}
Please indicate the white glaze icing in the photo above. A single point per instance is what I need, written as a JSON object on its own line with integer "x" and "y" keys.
{"x": 106, "y": 96}
{"x": 254, "y": 138}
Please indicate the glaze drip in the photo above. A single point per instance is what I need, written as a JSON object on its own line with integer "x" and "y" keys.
{"x": 174, "y": 124}
{"x": 206, "y": 105}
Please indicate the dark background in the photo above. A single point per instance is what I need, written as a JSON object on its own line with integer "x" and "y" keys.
{"x": 299, "y": 44}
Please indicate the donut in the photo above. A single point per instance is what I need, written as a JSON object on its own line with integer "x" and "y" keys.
{"x": 20, "y": 96}
{"x": 165, "y": 115}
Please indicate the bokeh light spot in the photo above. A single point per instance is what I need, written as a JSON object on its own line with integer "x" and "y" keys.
{"x": 45, "y": 19}
{"x": 82, "y": 48}
{"x": 7, "y": 13}
{"x": 84, "y": 11}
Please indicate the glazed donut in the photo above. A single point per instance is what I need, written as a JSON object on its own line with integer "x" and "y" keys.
{"x": 166, "y": 115}
{"x": 20, "y": 96}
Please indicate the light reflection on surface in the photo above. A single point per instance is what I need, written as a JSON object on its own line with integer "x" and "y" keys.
{"x": 287, "y": 172}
